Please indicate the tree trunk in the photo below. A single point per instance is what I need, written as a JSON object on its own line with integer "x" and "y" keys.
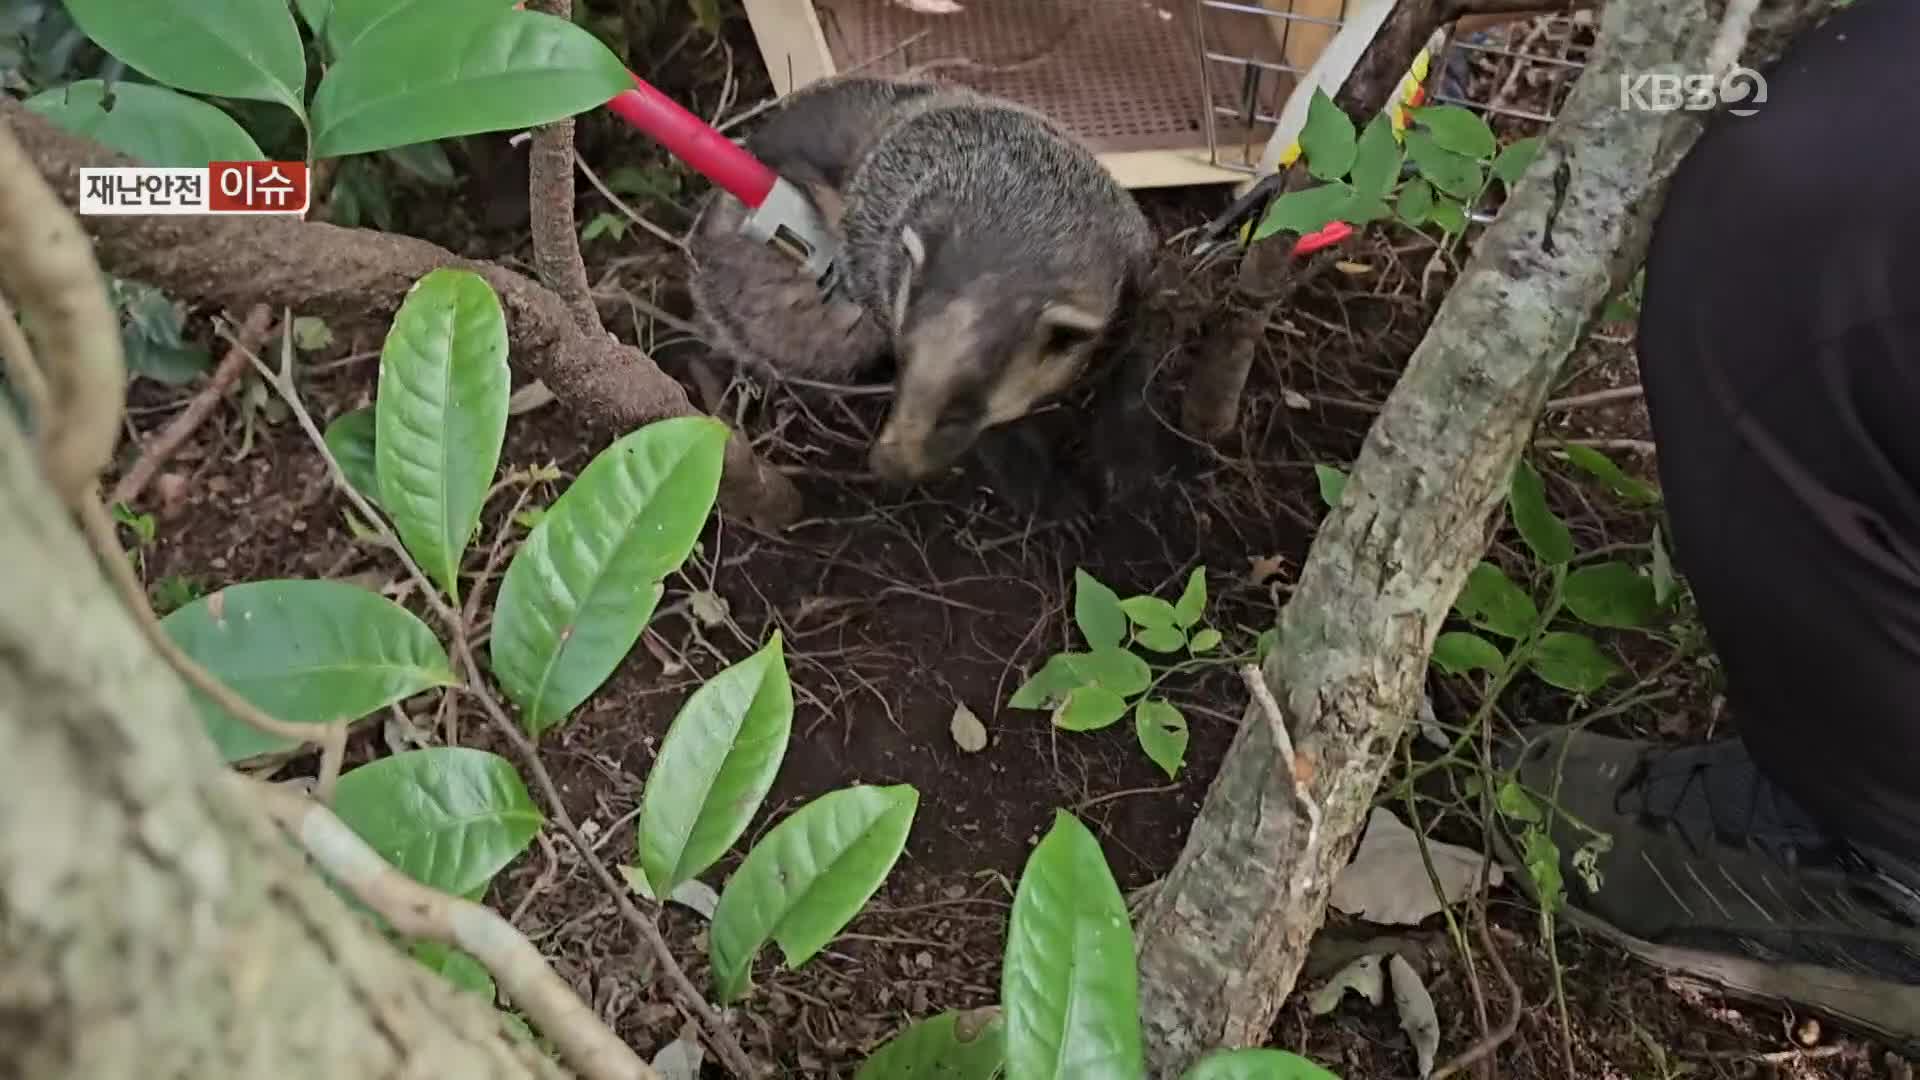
{"x": 1224, "y": 935}
{"x": 153, "y": 924}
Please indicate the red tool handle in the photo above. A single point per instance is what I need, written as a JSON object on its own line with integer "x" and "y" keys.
{"x": 693, "y": 141}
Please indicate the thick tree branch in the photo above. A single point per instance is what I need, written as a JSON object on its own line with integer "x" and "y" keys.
{"x": 325, "y": 270}
{"x": 556, "y": 247}
{"x": 1223, "y": 937}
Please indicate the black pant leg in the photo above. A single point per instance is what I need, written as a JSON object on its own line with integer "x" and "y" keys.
{"x": 1780, "y": 351}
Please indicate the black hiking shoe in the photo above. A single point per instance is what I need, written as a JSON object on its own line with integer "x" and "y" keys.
{"x": 1714, "y": 872}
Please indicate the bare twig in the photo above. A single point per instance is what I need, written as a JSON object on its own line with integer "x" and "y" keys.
{"x": 584, "y": 1041}
{"x": 163, "y": 446}
{"x": 1597, "y": 397}
{"x": 1516, "y": 1004}
{"x": 632, "y": 214}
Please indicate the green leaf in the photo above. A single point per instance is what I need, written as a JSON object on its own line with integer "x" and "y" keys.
{"x": 1610, "y": 594}
{"x": 230, "y": 48}
{"x": 1333, "y": 484}
{"x": 1664, "y": 583}
{"x": 1256, "y": 1065}
{"x": 1514, "y": 802}
{"x": 1602, "y": 468}
{"x": 1327, "y": 138}
{"x": 1162, "y": 729}
{"x": 1491, "y": 601}
{"x": 1543, "y": 866}
{"x": 1068, "y": 984}
{"x": 422, "y": 79}
{"x": 1206, "y": 640}
{"x": 1161, "y": 639}
{"x": 1449, "y": 215}
{"x": 951, "y": 1046}
{"x": 716, "y": 764}
{"x": 1265, "y": 642}
{"x": 582, "y": 586}
{"x": 1114, "y": 668}
{"x": 1416, "y": 201}
{"x": 1514, "y": 160}
{"x": 350, "y": 439}
{"x": 455, "y": 966}
{"x": 1376, "y": 164}
{"x": 1572, "y": 662}
{"x": 424, "y": 161}
{"x": 441, "y": 416}
{"x": 1305, "y": 211}
{"x": 171, "y": 365}
{"x": 807, "y": 879}
{"x": 311, "y": 332}
{"x": 1457, "y": 652}
{"x": 449, "y": 817}
{"x": 604, "y": 224}
{"x": 1193, "y": 600}
{"x": 1097, "y": 612}
{"x": 1149, "y": 611}
{"x": 151, "y": 124}
{"x": 1458, "y": 176}
{"x": 352, "y": 20}
{"x": 1539, "y": 526}
{"x": 1091, "y": 708}
{"x": 1457, "y": 129}
{"x": 307, "y": 652}
{"x": 314, "y": 13}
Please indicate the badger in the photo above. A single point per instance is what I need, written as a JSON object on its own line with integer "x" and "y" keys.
{"x": 984, "y": 251}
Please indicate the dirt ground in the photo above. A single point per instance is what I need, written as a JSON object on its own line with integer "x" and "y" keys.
{"x": 896, "y": 608}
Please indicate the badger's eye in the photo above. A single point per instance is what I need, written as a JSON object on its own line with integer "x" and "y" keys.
{"x": 1062, "y": 339}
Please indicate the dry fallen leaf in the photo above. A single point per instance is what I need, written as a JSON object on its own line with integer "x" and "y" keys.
{"x": 1346, "y": 267}
{"x": 1387, "y": 882}
{"x": 709, "y": 607}
{"x": 680, "y": 1059}
{"x": 930, "y": 7}
{"x": 532, "y": 396}
{"x": 1417, "y": 1017}
{"x": 1296, "y": 400}
{"x": 969, "y": 734}
{"x": 1363, "y": 977}
{"x": 1263, "y": 567}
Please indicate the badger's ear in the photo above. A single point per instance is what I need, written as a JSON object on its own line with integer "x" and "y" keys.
{"x": 910, "y": 267}
{"x": 1066, "y": 326}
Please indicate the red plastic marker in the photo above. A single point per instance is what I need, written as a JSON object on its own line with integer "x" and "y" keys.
{"x": 1329, "y": 234}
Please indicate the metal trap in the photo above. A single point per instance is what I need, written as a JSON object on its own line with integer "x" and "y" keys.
{"x": 1166, "y": 92}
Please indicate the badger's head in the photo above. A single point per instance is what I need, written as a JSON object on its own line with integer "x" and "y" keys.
{"x": 976, "y": 350}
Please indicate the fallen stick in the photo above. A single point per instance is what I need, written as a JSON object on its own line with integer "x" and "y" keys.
{"x": 161, "y": 448}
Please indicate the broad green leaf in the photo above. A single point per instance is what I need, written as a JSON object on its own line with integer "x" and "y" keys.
{"x": 230, "y": 48}
{"x": 172, "y": 365}
{"x": 1449, "y": 215}
{"x": 455, "y": 966}
{"x": 151, "y": 124}
{"x": 1096, "y": 611}
{"x": 1458, "y": 176}
{"x": 1457, "y": 652}
{"x": 1305, "y": 211}
{"x": 449, "y": 817}
{"x": 1091, "y": 708}
{"x": 1327, "y": 139}
{"x": 1457, "y": 129}
{"x": 351, "y": 20}
{"x": 1333, "y": 484}
{"x": 1162, "y": 729}
{"x": 1539, "y": 526}
{"x": 582, "y": 586}
{"x": 1206, "y": 640}
{"x": 350, "y": 439}
{"x": 1161, "y": 639}
{"x": 1610, "y": 594}
{"x": 1068, "y": 984}
{"x": 1572, "y": 662}
{"x": 1376, "y": 164}
{"x": 1416, "y": 201}
{"x": 1265, "y": 642}
{"x": 1491, "y": 601}
{"x": 1148, "y": 611}
{"x": 440, "y": 416}
{"x": 1602, "y": 468}
{"x": 1193, "y": 600}
{"x": 951, "y": 1046}
{"x": 307, "y": 652}
{"x": 1256, "y": 1065}
{"x": 716, "y": 764}
{"x": 807, "y": 879}
{"x": 1664, "y": 583}
{"x": 424, "y": 161}
{"x": 1514, "y": 802}
{"x": 1115, "y": 669}
{"x": 1514, "y": 160}
{"x": 440, "y": 78}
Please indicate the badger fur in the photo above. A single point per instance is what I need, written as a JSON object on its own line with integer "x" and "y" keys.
{"x": 982, "y": 247}
{"x": 752, "y": 301}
